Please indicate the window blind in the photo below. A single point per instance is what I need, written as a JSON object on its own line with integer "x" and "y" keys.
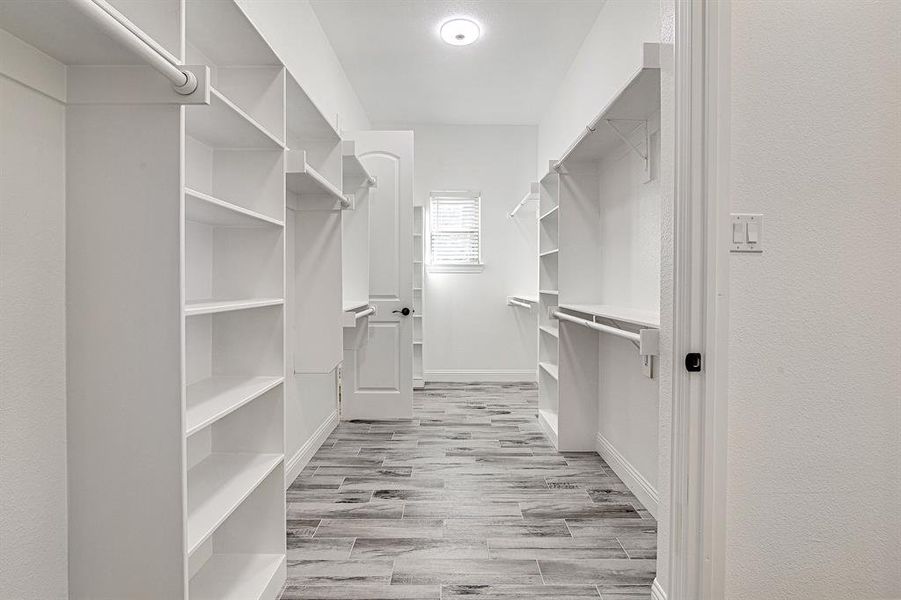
{"x": 454, "y": 232}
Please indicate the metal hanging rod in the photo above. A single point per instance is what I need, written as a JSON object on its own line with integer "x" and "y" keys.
{"x": 364, "y": 313}
{"x": 529, "y": 196}
{"x": 646, "y": 340}
{"x": 114, "y": 24}
{"x": 515, "y": 302}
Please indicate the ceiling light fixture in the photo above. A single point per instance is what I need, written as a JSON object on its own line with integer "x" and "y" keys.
{"x": 460, "y": 32}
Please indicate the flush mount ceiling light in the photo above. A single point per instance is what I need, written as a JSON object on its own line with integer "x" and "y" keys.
{"x": 460, "y": 32}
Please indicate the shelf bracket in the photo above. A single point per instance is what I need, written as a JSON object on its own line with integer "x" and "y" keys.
{"x": 646, "y": 155}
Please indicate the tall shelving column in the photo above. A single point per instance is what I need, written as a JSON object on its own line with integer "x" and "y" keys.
{"x": 609, "y": 259}
{"x": 548, "y": 294}
{"x": 234, "y": 290}
{"x": 418, "y": 295}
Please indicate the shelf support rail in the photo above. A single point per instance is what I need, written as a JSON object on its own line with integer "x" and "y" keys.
{"x": 529, "y": 196}
{"x": 114, "y": 24}
{"x": 512, "y": 301}
{"x": 370, "y": 310}
{"x": 646, "y": 340}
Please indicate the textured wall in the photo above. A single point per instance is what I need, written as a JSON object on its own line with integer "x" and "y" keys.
{"x": 32, "y": 330}
{"x": 814, "y": 454}
{"x": 610, "y": 54}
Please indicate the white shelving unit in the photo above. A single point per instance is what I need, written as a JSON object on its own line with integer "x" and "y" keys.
{"x": 598, "y": 223}
{"x": 548, "y": 278}
{"x": 419, "y": 250}
{"x": 176, "y": 241}
{"x": 356, "y": 186}
{"x": 234, "y": 257}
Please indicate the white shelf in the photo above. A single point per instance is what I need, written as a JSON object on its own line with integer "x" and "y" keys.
{"x": 218, "y": 485}
{"x": 417, "y": 289}
{"x": 225, "y": 35}
{"x": 303, "y": 179}
{"x": 202, "y": 208}
{"x": 550, "y": 368}
{"x": 354, "y": 305}
{"x": 552, "y": 331}
{"x": 354, "y": 173}
{"x": 417, "y": 342}
{"x": 304, "y": 119}
{"x": 638, "y": 100}
{"x": 212, "y": 399}
{"x": 549, "y": 292}
{"x": 209, "y": 306}
{"x": 622, "y": 314}
{"x": 223, "y": 125}
{"x": 553, "y": 252}
{"x": 552, "y": 212}
{"x": 525, "y": 298}
{"x": 236, "y": 576}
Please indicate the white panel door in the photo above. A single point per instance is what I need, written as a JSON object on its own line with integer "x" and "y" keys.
{"x": 381, "y": 382}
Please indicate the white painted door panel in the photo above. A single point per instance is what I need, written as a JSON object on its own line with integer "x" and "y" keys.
{"x": 379, "y": 382}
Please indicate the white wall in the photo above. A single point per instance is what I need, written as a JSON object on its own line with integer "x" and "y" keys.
{"x": 293, "y": 30}
{"x": 610, "y": 54}
{"x": 470, "y": 333}
{"x": 628, "y": 270}
{"x": 33, "y": 535}
{"x": 814, "y": 457}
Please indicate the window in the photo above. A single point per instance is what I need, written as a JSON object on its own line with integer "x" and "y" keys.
{"x": 455, "y": 232}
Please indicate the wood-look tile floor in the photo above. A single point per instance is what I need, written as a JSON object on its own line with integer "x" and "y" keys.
{"x": 466, "y": 499}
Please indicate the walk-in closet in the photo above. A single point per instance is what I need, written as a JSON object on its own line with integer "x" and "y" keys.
{"x": 432, "y": 300}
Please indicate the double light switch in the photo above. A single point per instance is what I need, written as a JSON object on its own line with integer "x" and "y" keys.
{"x": 747, "y": 231}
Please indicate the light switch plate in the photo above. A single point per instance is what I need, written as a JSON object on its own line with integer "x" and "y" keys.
{"x": 751, "y": 226}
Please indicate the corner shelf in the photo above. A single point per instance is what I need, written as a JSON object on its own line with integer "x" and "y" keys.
{"x": 218, "y": 485}
{"x": 551, "y": 331}
{"x": 208, "y": 306}
{"x": 206, "y": 209}
{"x": 549, "y": 292}
{"x": 550, "y": 368}
{"x": 553, "y": 252}
{"x": 223, "y": 124}
{"x": 211, "y": 399}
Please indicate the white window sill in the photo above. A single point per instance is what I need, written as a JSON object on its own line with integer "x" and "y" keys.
{"x": 455, "y": 268}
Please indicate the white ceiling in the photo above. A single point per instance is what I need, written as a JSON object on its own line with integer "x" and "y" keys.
{"x": 403, "y": 72}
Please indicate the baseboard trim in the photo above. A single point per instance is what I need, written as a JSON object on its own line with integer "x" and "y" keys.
{"x": 657, "y": 592}
{"x": 634, "y": 480}
{"x": 303, "y": 456}
{"x": 477, "y": 376}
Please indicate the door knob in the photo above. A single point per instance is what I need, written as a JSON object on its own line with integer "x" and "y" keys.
{"x": 404, "y": 311}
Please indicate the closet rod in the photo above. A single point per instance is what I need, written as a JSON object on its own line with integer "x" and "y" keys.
{"x": 525, "y": 199}
{"x": 515, "y": 302}
{"x": 126, "y": 33}
{"x": 364, "y": 313}
{"x": 634, "y": 337}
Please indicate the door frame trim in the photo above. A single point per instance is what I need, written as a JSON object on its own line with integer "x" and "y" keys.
{"x": 696, "y": 551}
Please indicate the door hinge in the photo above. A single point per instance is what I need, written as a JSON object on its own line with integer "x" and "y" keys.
{"x": 693, "y": 362}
